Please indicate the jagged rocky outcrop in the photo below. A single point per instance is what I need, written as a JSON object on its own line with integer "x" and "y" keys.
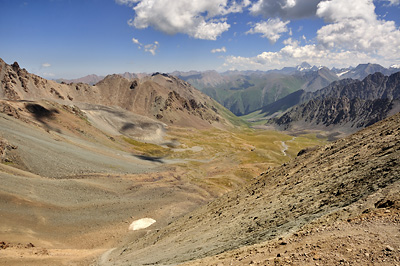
{"x": 349, "y": 104}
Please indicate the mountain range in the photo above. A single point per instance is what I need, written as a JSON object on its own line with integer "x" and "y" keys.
{"x": 243, "y": 92}
{"x": 346, "y": 105}
{"x": 161, "y": 97}
{"x": 343, "y": 103}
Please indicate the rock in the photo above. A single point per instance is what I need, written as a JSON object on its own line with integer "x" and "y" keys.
{"x": 3, "y": 245}
{"x": 30, "y": 245}
{"x": 389, "y": 248}
{"x": 15, "y": 66}
{"x": 316, "y": 257}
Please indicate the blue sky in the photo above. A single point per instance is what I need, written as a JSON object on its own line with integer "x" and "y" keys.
{"x": 73, "y": 38}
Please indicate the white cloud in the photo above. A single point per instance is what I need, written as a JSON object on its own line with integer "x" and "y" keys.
{"x": 294, "y": 54}
{"x": 46, "y": 65}
{"x": 237, "y": 7}
{"x": 271, "y": 29}
{"x": 286, "y": 9}
{"x": 355, "y": 27}
{"x": 151, "y": 48}
{"x": 354, "y": 33}
{"x": 392, "y": 2}
{"x": 200, "y": 19}
{"x": 219, "y": 50}
{"x": 136, "y": 41}
{"x": 339, "y": 10}
{"x": 126, "y": 2}
{"x": 209, "y": 30}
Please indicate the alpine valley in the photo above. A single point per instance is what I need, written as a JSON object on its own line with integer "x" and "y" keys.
{"x": 297, "y": 166}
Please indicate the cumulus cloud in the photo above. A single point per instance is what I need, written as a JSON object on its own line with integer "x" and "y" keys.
{"x": 46, "y": 65}
{"x": 354, "y": 26}
{"x": 208, "y": 30}
{"x": 286, "y": 9}
{"x": 219, "y": 50}
{"x": 338, "y": 10}
{"x": 293, "y": 54}
{"x": 271, "y": 29}
{"x": 200, "y": 19}
{"x": 353, "y": 33}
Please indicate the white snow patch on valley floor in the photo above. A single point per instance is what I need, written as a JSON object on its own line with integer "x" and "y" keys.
{"x": 141, "y": 224}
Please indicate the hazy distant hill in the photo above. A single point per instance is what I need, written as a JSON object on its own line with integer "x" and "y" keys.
{"x": 296, "y": 98}
{"x": 89, "y": 79}
{"x": 363, "y": 70}
{"x": 243, "y": 92}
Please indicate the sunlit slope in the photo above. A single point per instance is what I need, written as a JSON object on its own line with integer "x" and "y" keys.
{"x": 318, "y": 183}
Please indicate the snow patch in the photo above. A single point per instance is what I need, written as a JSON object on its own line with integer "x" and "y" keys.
{"x": 141, "y": 224}
{"x": 395, "y": 66}
{"x": 342, "y": 73}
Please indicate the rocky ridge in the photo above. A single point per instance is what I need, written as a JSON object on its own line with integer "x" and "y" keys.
{"x": 347, "y": 104}
{"x": 160, "y": 97}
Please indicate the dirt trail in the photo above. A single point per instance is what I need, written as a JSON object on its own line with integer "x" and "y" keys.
{"x": 285, "y": 147}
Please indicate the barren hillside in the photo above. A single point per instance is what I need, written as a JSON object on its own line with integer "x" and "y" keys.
{"x": 335, "y": 182}
{"x": 160, "y": 97}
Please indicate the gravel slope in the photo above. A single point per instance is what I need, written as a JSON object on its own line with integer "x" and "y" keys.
{"x": 42, "y": 154}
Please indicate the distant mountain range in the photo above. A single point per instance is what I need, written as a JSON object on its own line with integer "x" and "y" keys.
{"x": 244, "y": 92}
{"x": 89, "y": 79}
{"x": 316, "y": 97}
